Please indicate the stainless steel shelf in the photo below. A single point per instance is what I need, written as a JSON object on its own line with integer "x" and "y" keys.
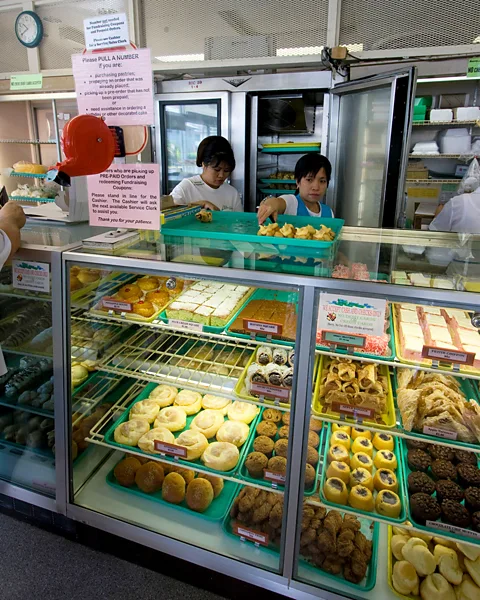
{"x": 435, "y": 156}
{"x": 432, "y": 181}
{"x": 453, "y": 123}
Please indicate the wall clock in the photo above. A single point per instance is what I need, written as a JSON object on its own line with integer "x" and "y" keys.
{"x": 29, "y": 29}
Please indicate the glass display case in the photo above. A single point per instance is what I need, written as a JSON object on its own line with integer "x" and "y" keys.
{"x": 290, "y": 424}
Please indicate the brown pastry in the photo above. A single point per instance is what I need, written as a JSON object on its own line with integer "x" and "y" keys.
{"x": 278, "y": 464}
{"x": 255, "y": 463}
{"x": 464, "y": 456}
{"x": 216, "y": 482}
{"x": 173, "y": 489}
{"x": 125, "y": 471}
{"x": 264, "y": 445}
{"x": 281, "y": 447}
{"x": 199, "y": 494}
{"x": 313, "y": 439}
{"x": 312, "y": 456}
{"x": 315, "y": 425}
{"x": 309, "y": 476}
{"x": 444, "y": 469}
{"x": 187, "y": 474}
{"x": 286, "y": 418}
{"x": 150, "y": 477}
{"x": 267, "y": 428}
{"x": 272, "y": 414}
{"x": 130, "y": 291}
{"x": 144, "y": 309}
{"x": 448, "y": 490}
{"x": 283, "y": 431}
{"x": 441, "y": 452}
{"x": 333, "y": 522}
{"x": 418, "y": 460}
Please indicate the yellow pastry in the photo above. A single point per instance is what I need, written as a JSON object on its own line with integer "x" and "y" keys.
{"x": 235, "y": 432}
{"x": 242, "y": 411}
{"x": 361, "y": 498}
{"x": 360, "y": 459}
{"x": 144, "y": 308}
{"x": 147, "y": 283}
{"x": 362, "y": 444}
{"x": 338, "y": 452}
{"x": 384, "y": 459}
{"x": 405, "y": 579}
{"x": 130, "y": 432}
{"x": 385, "y": 479}
{"x": 208, "y": 422}
{"x": 358, "y": 432}
{"x": 340, "y": 470}
{"x": 194, "y": 441}
{"x": 341, "y": 438}
{"x": 173, "y": 418}
{"x": 162, "y": 434}
{"x": 216, "y": 403}
{"x": 145, "y": 409}
{"x": 335, "y": 490}
{"x": 221, "y": 456}
{"x": 345, "y": 428}
{"x": 387, "y": 503}
{"x": 190, "y": 401}
{"x": 361, "y": 476}
{"x": 383, "y": 441}
{"x": 163, "y": 395}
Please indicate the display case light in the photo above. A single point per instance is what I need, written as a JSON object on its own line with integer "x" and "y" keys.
{"x": 181, "y": 58}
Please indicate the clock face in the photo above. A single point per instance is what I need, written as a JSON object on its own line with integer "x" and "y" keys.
{"x": 29, "y": 29}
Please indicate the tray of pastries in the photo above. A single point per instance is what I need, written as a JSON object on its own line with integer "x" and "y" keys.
{"x": 364, "y": 471}
{"x": 212, "y": 431}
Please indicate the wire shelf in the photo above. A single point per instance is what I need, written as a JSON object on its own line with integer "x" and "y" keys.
{"x": 445, "y": 123}
{"x": 84, "y": 347}
{"x": 89, "y": 396}
{"x": 433, "y": 181}
{"x": 435, "y": 156}
{"x": 28, "y": 142}
{"x": 85, "y": 299}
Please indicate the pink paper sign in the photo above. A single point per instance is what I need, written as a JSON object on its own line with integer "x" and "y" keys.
{"x": 125, "y": 196}
{"x": 117, "y": 86}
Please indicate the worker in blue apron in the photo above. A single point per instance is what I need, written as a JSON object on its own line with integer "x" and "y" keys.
{"x": 312, "y": 174}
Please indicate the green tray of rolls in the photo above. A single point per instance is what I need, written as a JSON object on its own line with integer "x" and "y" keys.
{"x": 215, "y": 512}
{"x": 280, "y": 420}
{"x": 379, "y": 482}
{"x": 454, "y": 526}
{"x": 110, "y": 439}
{"x": 370, "y": 530}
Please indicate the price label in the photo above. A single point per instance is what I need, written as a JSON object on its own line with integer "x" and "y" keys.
{"x": 118, "y": 305}
{"x": 453, "y": 529}
{"x": 440, "y": 433}
{"x": 185, "y": 325}
{"x": 346, "y": 409}
{"x": 274, "y": 477}
{"x": 255, "y": 536}
{"x": 452, "y": 356}
{"x": 351, "y": 314}
{"x": 262, "y": 327}
{"x": 271, "y": 391}
{"x": 343, "y": 339}
{"x": 170, "y": 449}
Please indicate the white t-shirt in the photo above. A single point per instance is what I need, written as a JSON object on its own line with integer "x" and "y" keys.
{"x": 194, "y": 189}
{"x": 291, "y": 202}
{"x": 5, "y": 248}
{"x": 461, "y": 214}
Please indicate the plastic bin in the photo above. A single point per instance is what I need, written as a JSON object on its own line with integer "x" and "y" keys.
{"x": 455, "y": 141}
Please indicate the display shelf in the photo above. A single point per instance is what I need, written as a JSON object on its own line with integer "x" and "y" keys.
{"x": 25, "y": 408}
{"x": 88, "y": 348}
{"x": 295, "y": 150}
{"x": 432, "y": 181}
{"x": 90, "y": 394}
{"x": 27, "y": 295}
{"x": 42, "y": 142}
{"x": 454, "y": 156}
{"x": 25, "y": 352}
{"x": 90, "y": 295}
{"x": 22, "y": 448}
{"x": 30, "y": 199}
{"x": 453, "y": 123}
{"x": 29, "y": 175}
{"x": 273, "y": 192}
{"x": 279, "y": 181}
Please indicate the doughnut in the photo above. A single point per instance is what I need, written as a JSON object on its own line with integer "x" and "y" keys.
{"x": 208, "y": 422}
{"x": 147, "y": 283}
{"x": 221, "y": 456}
{"x": 163, "y": 395}
{"x": 125, "y": 471}
{"x": 199, "y": 494}
{"x": 191, "y": 402}
{"x": 242, "y": 411}
{"x": 173, "y": 418}
{"x": 160, "y": 298}
{"x": 130, "y": 432}
{"x": 145, "y": 409}
{"x": 216, "y": 403}
{"x": 217, "y": 484}
{"x": 144, "y": 309}
{"x": 235, "y": 432}
{"x": 130, "y": 291}
{"x": 149, "y": 477}
{"x": 162, "y": 434}
{"x": 194, "y": 441}
{"x": 173, "y": 489}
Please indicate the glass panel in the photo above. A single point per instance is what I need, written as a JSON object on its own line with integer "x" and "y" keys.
{"x": 207, "y": 366}
{"x": 185, "y": 127}
{"x": 362, "y": 146}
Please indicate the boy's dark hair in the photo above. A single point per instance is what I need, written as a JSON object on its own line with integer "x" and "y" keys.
{"x": 213, "y": 150}
{"x": 310, "y": 164}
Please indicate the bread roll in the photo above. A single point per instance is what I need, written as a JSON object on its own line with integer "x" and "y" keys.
{"x": 145, "y": 409}
{"x": 173, "y": 489}
{"x": 397, "y": 544}
{"x": 173, "y": 418}
{"x": 242, "y": 411}
{"x": 221, "y": 456}
{"x": 199, "y": 494}
{"x": 125, "y": 471}
{"x": 216, "y": 403}
{"x": 208, "y": 422}
{"x": 404, "y": 578}
{"x": 217, "y": 484}
{"x": 130, "y": 432}
{"x": 469, "y": 551}
{"x": 163, "y": 395}
{"x": 418, "y": 554}
{"x": 194, "y": 441}
{"x": 436, "y": 587}
{"x": 191, "y": 402}
{"x": 149, "y": 477}
{"x": 448, "y": 567}
{"x": 235, "y": 432}
{"x": 162, "y": 434}
{"x": 473, "y": 568}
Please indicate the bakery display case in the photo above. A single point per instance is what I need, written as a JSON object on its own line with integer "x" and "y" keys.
{"x": 290, "y": 430}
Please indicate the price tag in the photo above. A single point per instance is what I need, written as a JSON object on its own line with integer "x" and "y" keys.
{"x": 271, "y": 391}
{"x": 255, "y": 536}
{"x": 452, "y": 356}
{"x": 343, "y": 339}
{"x": 262, "y": 327}
{"x": 346, "y": 409}
{"x": 186, "y": 324}
{"x": 170, "y": 449}
{"x": 453, "y": 529}
{"x": 118, "y": 305}
{"x": 440, "y": 433}
{"x": 274, "y": 477}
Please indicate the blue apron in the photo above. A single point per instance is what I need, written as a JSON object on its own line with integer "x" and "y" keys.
{"x": 302, "y": 211}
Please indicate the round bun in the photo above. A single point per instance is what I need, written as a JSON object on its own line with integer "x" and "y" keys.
{"x": 221, "y": 456}
{"x": 173, "y": 418}
{"x": 235, "y": 432}
{"x": 75, "y": 283}
{"x": 125, "y": 471}
{"x": 160, "y": 298}
{"x": 315, "y": 424}
{"x": 145, "y": 409}
{"x": 195, "y": 443}
{"x": 217, "y": 484}
{"x": 187, "y": 474}
{"x": 281, "y": 447}
{"x": 161, "y": 434}
{"x": 147, "y": 283}
{"x": 149, "y": 477}
{"x": 255, "y": 463}
{"x": 267, "y": 428}
{"x": 199, "y": 495}
{"x": 216, "y": 403}
{"x": 242, "y": 411}
{"x": 163, "y": 395}
{"x": 208, "y": 422}
{"x": 144, "y": 309}
{"x": 130, "y": 291}
{"x": 173, "y": 489}
{"x": 191, "y": 402}
{"x": 274, "y": 415}
{"x": 130, "y": 432}
{"x": 86, "y": 276}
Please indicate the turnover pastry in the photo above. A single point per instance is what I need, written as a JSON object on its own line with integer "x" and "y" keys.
{"x": 194, "y": 441}
{"x": 221, "y": 456}
{"x": 242, "y": 411}
{"x": 173, "y": 418}
{"x": 235, "y": 432}
{"x": 163, "y": 395}
{"x": 130, "y": 432}
{"x": 190, "y": 401}
{"x": 146, "y": 409}
{"x": 216, "y": 403}
{"x": 208, "y": 422}
{"x": 161, "y": 434}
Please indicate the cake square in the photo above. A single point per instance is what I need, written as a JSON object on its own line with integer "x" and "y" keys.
{"x": 414, "y": 344}
{"x": 420, "y": 280}
{"x": 411, "y": 330}
{"x": 440, "y": 334}
{"x": 470, "y": 338}
{"x": 408, "y": 316}
{"x": 431, "y": 310}
{"x": 435, "y": 320}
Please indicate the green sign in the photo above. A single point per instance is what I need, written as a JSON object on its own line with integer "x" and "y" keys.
{"x": 26, "y": 82}
{"x": 473, "y": 69}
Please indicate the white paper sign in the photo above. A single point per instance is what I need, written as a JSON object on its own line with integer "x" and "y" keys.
{"x": 351, "y": 314}
{"x": 107, "y": 31}
{"x": 33, "y": 276}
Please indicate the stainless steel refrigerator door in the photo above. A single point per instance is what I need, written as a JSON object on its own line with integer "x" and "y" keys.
{"x": 182, "y": 121}
{"x": 369, "y": 142}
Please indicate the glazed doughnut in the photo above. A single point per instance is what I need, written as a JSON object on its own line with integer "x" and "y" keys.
{"x": 145, "y": 409}
{"x": 216, "y": 403}
{"x": 194, "y": 441}
{"x": 130, "y": 432}
{"x": 191, "y": 402}
{"x": 208, "y": 422}
{"x": 242, "y": 411}
{"x": 162, "y": 434}
{"x": 163, "y": 395}
{"x": 173, "y": 418}
{"x": 144, "y": 309}
{"x": 147, "y": 283}
{"x": 130, "y": 291}
{"x": 160, "y": 298}
{"x": 221, "y": 456}
{"x": 235, "y": 432}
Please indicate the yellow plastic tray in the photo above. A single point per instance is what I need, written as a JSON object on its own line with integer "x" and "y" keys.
{"x": 390, "y": 569}
{"x": 293, "y": 145}
{"x": 388, "y": 419}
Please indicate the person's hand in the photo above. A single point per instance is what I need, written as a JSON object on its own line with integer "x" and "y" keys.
{"x": 13, "y": 213}
{"x": 205, "y": 204}
{"x": 265, "y": 211}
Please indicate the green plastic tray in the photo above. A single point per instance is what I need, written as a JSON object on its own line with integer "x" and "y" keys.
{"x": 177, "y": 461}
{"x": 262, "y": 294}
{"x": 279, "y": 181}
{"x": 368, "y": 582}
{"x": 277, "y": 265}
{"x": 402, "y": 488}
{"x": 244, "y": 474}
{"x": 215, "y": 512}
{"x": 293, "y": 150}
{"x": 458, "y": 535}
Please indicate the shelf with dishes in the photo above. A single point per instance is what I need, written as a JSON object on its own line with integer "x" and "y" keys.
{"x": 431, "y": 181}
{"x": 450, "y": 156}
